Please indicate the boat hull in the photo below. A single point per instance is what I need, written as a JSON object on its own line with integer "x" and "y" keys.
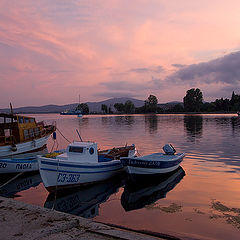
{"x": 58, "y": 174}
{"x": 26, "y": 162}
{"x": 33, "y": 145}
{"x": 153, "y": 165}
{"x": 18, "y": 165}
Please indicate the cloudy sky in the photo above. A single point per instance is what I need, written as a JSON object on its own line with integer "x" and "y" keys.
{"x": 52, "y": 51}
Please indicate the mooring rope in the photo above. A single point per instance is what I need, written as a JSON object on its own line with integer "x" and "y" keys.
{"x": 10, "y": 180}
{"x": 63, "y": 135}
{"x": 55, "y": 193}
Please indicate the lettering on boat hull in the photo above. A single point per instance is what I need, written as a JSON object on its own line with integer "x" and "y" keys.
{"x": 24, "y": 166}
{"x": 3, "y": 165}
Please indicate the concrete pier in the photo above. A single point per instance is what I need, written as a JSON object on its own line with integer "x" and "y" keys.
{"x": 20, "y": 221}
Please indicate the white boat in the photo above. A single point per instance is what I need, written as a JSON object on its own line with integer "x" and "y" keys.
{"x": 81, "y": 164}
{"x": 26, "y": 162}
{"x": 21, "y": 134}
{"x": 154, "y": 163}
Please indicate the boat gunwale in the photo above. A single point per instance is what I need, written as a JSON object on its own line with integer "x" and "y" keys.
{"x": 75, "y": 164}
{"x": 142, "y": 158}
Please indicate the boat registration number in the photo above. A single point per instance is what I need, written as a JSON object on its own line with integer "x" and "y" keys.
{"x": 3, "y": 165}
{"x": 68, "y": 177}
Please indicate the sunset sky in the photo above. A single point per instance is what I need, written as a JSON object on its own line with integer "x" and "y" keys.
{"x": 53, "y": 50}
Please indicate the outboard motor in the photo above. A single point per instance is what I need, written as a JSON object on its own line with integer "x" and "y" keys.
{"x": 169, "y": 149}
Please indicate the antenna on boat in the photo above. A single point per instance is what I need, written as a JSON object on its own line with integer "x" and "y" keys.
{"x": 79, "y": 135}
{"x": 14, "y": 147}
{"x": 11, "y": 109}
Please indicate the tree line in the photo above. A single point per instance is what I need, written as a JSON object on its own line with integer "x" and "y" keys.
{"x": 150, "y": 106}
{"x": 192, "y": 102}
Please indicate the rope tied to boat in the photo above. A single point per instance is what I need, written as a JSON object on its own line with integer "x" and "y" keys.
{"x": 63, "y": 135}
{"x": 55, "y": 193}
{"x": 12, "y": 179}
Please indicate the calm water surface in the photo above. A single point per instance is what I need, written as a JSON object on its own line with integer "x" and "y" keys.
{"x": 199, "y": 200}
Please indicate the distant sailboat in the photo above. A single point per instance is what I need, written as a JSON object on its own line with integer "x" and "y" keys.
{"x": 73, "y": 112}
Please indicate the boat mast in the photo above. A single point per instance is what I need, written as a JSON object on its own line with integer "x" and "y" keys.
{"x": 11, "y": 129}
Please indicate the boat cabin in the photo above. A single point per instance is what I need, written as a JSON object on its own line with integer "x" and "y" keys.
{"x": 81, "y": 151}
{"x": 16, "y": 128}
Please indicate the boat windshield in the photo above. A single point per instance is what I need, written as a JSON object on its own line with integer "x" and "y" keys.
{"x": 76, "y": 149}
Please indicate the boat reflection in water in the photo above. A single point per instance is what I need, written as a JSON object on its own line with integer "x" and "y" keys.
{"x": 10, "y": 184}
{"x": 23, "y": 179}
{"x": 141, "y": 190}
{"x": 84, "y": 201}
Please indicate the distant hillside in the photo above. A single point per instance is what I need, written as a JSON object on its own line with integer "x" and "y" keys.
{"x": 41, "y": 109}
{"x": 93, "y": 106}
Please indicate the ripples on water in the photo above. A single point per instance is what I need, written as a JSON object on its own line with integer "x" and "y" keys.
{"x": 201, "y": 199}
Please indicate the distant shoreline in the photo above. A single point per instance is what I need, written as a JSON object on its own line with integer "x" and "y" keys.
{"x": 187, "y": 113}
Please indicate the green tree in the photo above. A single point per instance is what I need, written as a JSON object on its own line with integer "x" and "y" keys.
{"x": 83, "y": 107}
{"x": 129, "y": 107}
{"x": 235, "y": 102}
{"x": 177, "y": 108}
{"x": 104, "y": 108}
{"x": 110, "y": 110}
{"x": 208, "y": 107}
{"x": 151, "y": 104}
{"x": 193, "y": 100}
{"x": 222, "y": 104}
{"x": 119, "y": 107}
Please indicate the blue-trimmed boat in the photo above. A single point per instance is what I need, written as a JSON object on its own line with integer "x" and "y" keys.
{"x": 26, "y": 162}
{"x": 154, "y": 163}
{"x": 81, "y": 163}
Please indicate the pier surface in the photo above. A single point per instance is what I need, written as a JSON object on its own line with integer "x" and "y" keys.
{"x": 20, "y": 221}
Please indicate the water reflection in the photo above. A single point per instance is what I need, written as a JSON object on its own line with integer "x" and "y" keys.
{"x": 10, "y": 184}
{"x": 83, "y": 122}
{"x": 106, "y": 120}
{"x": 84, "y": 201}
{"x": 144, "y": 190}
{"x": 235, "y": 122}
{"x": 212, "y": 164}
{"x": 193, "y": 126}
{"x": 124, "y": 120}
{"x": 151, "y": 123}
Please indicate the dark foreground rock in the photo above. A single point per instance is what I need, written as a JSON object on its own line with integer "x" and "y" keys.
{"x": 20, "y": 221}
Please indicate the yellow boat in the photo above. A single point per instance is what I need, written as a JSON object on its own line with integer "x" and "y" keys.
{"x": 21, "y": 134}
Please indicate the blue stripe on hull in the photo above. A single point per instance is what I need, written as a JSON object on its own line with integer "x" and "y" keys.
{"x": 150, "y": 164}
{"x": 67, "y": 171}
{"x": 79, "y": 166}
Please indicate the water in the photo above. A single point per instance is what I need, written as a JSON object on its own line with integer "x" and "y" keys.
{"x": 200, "y": 200}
